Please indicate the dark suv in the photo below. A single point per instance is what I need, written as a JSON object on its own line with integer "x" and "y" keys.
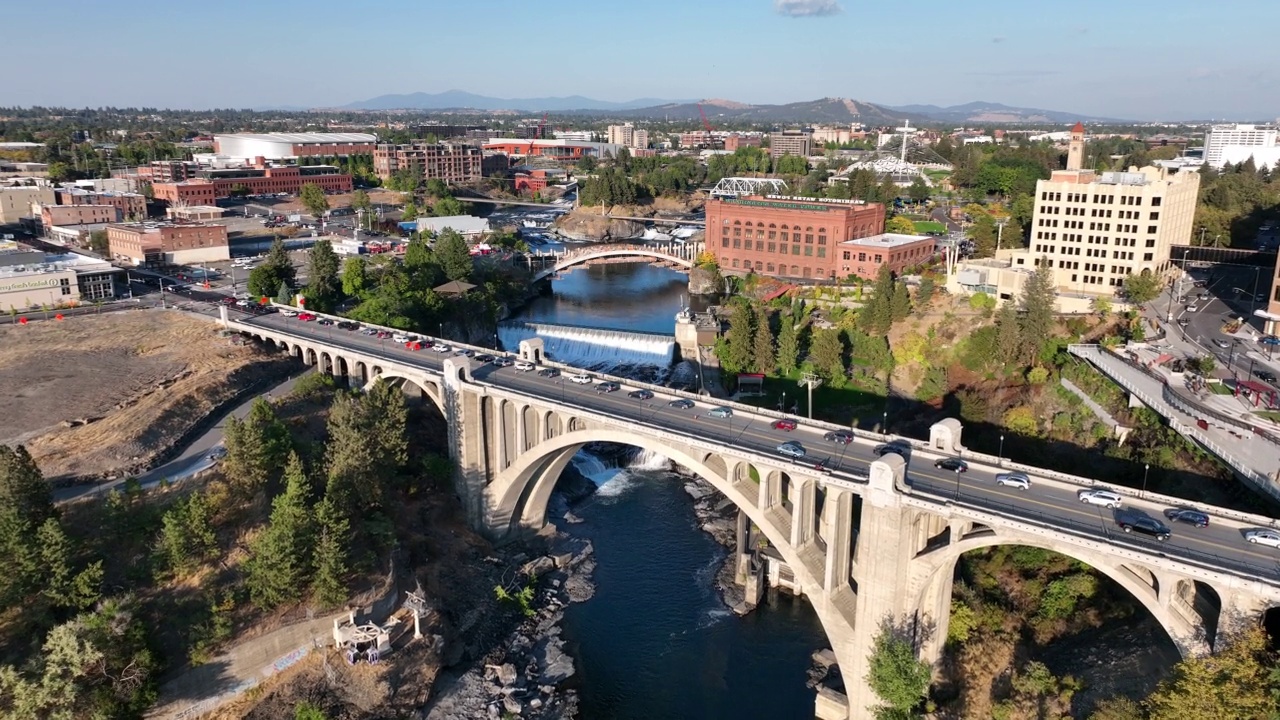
{"x": 1146, "y": 526}
{"x": 1188, "y": 516}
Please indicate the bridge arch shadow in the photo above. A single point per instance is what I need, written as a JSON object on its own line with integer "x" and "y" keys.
{"x": 412, "y": 387}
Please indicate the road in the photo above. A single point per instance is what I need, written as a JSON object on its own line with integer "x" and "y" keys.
{"x": 1222, "y": 544}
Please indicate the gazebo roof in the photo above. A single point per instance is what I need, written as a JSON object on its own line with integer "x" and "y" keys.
{"x": 455, "y": 287}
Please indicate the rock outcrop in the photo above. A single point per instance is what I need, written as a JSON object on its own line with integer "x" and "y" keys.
{"x": 703, "y": 281}
{"x": 585, "y": 226}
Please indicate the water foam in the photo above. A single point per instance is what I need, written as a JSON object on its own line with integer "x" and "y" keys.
{"x": 592, "y": 348}
{"x": 613, "y": 479}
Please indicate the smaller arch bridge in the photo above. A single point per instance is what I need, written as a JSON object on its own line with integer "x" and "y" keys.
{"x": 676, "y": 255}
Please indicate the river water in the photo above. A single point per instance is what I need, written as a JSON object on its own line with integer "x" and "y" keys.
{"x": 656, "y": 642}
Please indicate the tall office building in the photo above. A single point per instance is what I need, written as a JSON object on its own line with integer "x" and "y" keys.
{"x": 629, "y": 135}
{"x": 1095, "y": 229}
{"x": 1222, "y": 143}
{"x": 790, "y": 142}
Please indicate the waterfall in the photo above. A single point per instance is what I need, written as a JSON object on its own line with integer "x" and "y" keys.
{"x": 613, "y": 478}
{"x": 592, "y": 348}
{"x": 647, "y": 460}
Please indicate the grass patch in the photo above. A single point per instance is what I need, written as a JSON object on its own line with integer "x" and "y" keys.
{"x": 1272, "y": 415}
{"x": 1220, "y": 389}
{"x": 928, "y": 226}
{"x": 843, "y": 406}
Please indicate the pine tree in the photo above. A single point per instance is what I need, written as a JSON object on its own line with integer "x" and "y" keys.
{"x": 900, "y": 304}
{"x": 765, "y": 354}
{"x": 324, "y": 290}
{"x": 23, "y": 487}
{"x": 876, "y": 316}
{"x": 284, "y": 295}
{"x": 186, "y": 534}
{"x": 788, "y": 346}
{"x": 1038, "y": 298}
{"x": 278, "y": 559}
{"x": 925, "y": 293}
{"x": 368, "y": 447}
{"x": 454, "y": 256}
{"x": 1008, "y": 336}
{"x": 63, "y": 586}
{"x": 257, "y": 448}
{"x": 739, "y": 348}
{"x": 827, "y": 356}
{"x": 330, "y": 556}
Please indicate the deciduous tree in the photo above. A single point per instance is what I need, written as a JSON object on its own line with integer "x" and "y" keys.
{"x": 313, "y": 199}
{"x": 355, "y": 278}
{"x": 1235, "y": 682}
{"x": 896, "y": 675}
{"x": 901, "y": 225}
{"x": 1141, "y": 288}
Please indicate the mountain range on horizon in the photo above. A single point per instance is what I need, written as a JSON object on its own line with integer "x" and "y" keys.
{"x": 827, "y": 110}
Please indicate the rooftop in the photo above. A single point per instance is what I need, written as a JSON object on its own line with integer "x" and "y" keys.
{"x": 303, "y": 138}
{"x": 57, "y": 263}
{"x": 156, "y": 226}
{"x": 887, "y": 240}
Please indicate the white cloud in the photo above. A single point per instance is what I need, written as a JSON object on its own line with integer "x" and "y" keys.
{"x": 807, "y": 8}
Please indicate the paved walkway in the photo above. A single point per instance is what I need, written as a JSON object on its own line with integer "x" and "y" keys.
{"x": 204, "y": 688}
{"x": 1253, "y": 457}
{"x": 1097, "y": 409}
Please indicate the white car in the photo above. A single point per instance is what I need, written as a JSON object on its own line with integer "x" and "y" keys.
{"x": 1105, "y": 498}
{"x": 289, "y": 313}
{"x": 1263, "y": 537}
{"x": 1191, "y": 308}
{"x": 441, "y": 348}
{"x": 400, "y": 338}
{"x": 581, "y": 379}
{"x": 1014, "y": 480}
{"x": 524, "y": 366}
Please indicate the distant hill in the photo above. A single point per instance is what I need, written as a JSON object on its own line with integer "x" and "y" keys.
{"x": 989, "y": 112}
{"x": 461, "y": 100}
{"x": 826, "y": 110}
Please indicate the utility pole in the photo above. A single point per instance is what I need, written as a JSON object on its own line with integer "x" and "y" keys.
{"x": 810, "y": 381}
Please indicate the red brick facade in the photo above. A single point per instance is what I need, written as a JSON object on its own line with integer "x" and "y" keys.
{"x": 259, "y": 181}
{"x": 787, "y": 238}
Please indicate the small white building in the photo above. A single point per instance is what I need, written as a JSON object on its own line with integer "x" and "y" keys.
{"x": 468, "y": 226}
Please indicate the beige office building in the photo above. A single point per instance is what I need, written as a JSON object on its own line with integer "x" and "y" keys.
{"x": 19, "y": 202}
{"x": 790, "y": 142}
{"x": 629, "y": 136}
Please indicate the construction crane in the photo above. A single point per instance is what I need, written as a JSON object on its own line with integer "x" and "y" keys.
{"x": 541, "y": 125}
{"x": 705, "y": 125}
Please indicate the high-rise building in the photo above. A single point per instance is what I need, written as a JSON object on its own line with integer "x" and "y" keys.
{"x": 1222, "y": 143}
{"x": 1095, "y": 229}
{"x": 790, "y": 142}
{"x": 629, "y": 136}
{"x": 450, "y": 162}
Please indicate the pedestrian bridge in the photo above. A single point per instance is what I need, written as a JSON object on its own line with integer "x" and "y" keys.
{"x": 676, "y": 255}
{"x": 870, "y": 540}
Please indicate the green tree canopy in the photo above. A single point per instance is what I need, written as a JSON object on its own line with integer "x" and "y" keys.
{"x": 788, "y": 345}
{"x": 827, "y": 356}
{"x": 896, "y": 675}
{"x": 764, "y": 354}
{"x": 279, "y": 558}
{"x": 901, "y": 225}
{"x": 257, "y": 448}
{"x": 324, "y": 290}
{"x": 454, "y": 256}
{"x": 1038, "y": 309}
{"x": 313, "y": 199}
{"x": 1141, "y": 288}
{"x": 355, "y": 278}
{"x": 277, "y": 268}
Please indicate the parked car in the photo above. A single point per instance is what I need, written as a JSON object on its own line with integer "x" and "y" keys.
{"x": 681, "y": 404}
{"x": 1014, "y": 480}
{"x": 400, "y": 338}
{"x": 549, "y": 372}
{"x": 1145, "y": 525}
{"x": 897, "y": 446}
{"x": 844, "y": 437}
{"x": 1263, "y": 537}
{"x": 1188, "y": 516}
{"x": 608, "y": 387}
{"x": 503, "y": 362}
{"x": 524, "y": 365}
{"x": 348, "y": 325}
{"x": 720, "y": 412}
{"x": 289, "y": 313}
{"x": 955, "y": 465}
{"x": 581, "y": 379}
{"x": 783, "y": 424}
{"x": 1265, "y": 375}
{"x": 791, "y": 449}
{"x": 640, "y": 395}
{"x": 441, "y": 347}
{"x": 463, "y": 352}
{"x": 306, "y": 317}
{"x": 1105, "y": 498}
{"x": 483, "y": 357}
{"x": 324, "y": 321}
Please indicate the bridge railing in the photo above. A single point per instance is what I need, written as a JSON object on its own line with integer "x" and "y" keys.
{"x": 919, "y": 445}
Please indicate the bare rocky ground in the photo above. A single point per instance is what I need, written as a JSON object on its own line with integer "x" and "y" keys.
{"x": 103, "y": 395}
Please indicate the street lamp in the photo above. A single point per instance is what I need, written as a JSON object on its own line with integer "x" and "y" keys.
{"x": 884, "y": 424}
{"x": 1146, "y": 470}
{"x": 1001, "y": 456}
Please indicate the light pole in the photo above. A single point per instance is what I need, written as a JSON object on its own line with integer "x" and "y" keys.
{"x": 884, "y": 424}
{"x": 1146, "y": 470}
{"x": 1001, "y": 455}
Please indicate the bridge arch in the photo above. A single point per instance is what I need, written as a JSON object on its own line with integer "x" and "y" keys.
{"x": 429, "y": 389}
{"x": 933, "y": 593}
{"x": 572, "y": 259}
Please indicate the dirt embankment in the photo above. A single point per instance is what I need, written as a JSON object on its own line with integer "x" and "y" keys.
{"x": 99, "y": 395}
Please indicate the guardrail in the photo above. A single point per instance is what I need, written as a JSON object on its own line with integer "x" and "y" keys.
{"x": 994, "y": 463}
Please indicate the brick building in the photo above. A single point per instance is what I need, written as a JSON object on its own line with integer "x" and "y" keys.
{"x": 131, "y": 205}
{"x": 450, "y": 162}
{"x": 69, "y": 215}
{"x": 733, "y": 141}
{"x": 257, "y": 180}
{"x": 168, "y": 171}
{"x": 785, "y": 237}
{"x": 168, "y": 243}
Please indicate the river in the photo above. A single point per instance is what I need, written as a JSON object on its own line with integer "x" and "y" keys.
{"x": 656, "y": 642}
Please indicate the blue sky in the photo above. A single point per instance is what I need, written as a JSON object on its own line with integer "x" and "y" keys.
{"x": 1136, "y": 59}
